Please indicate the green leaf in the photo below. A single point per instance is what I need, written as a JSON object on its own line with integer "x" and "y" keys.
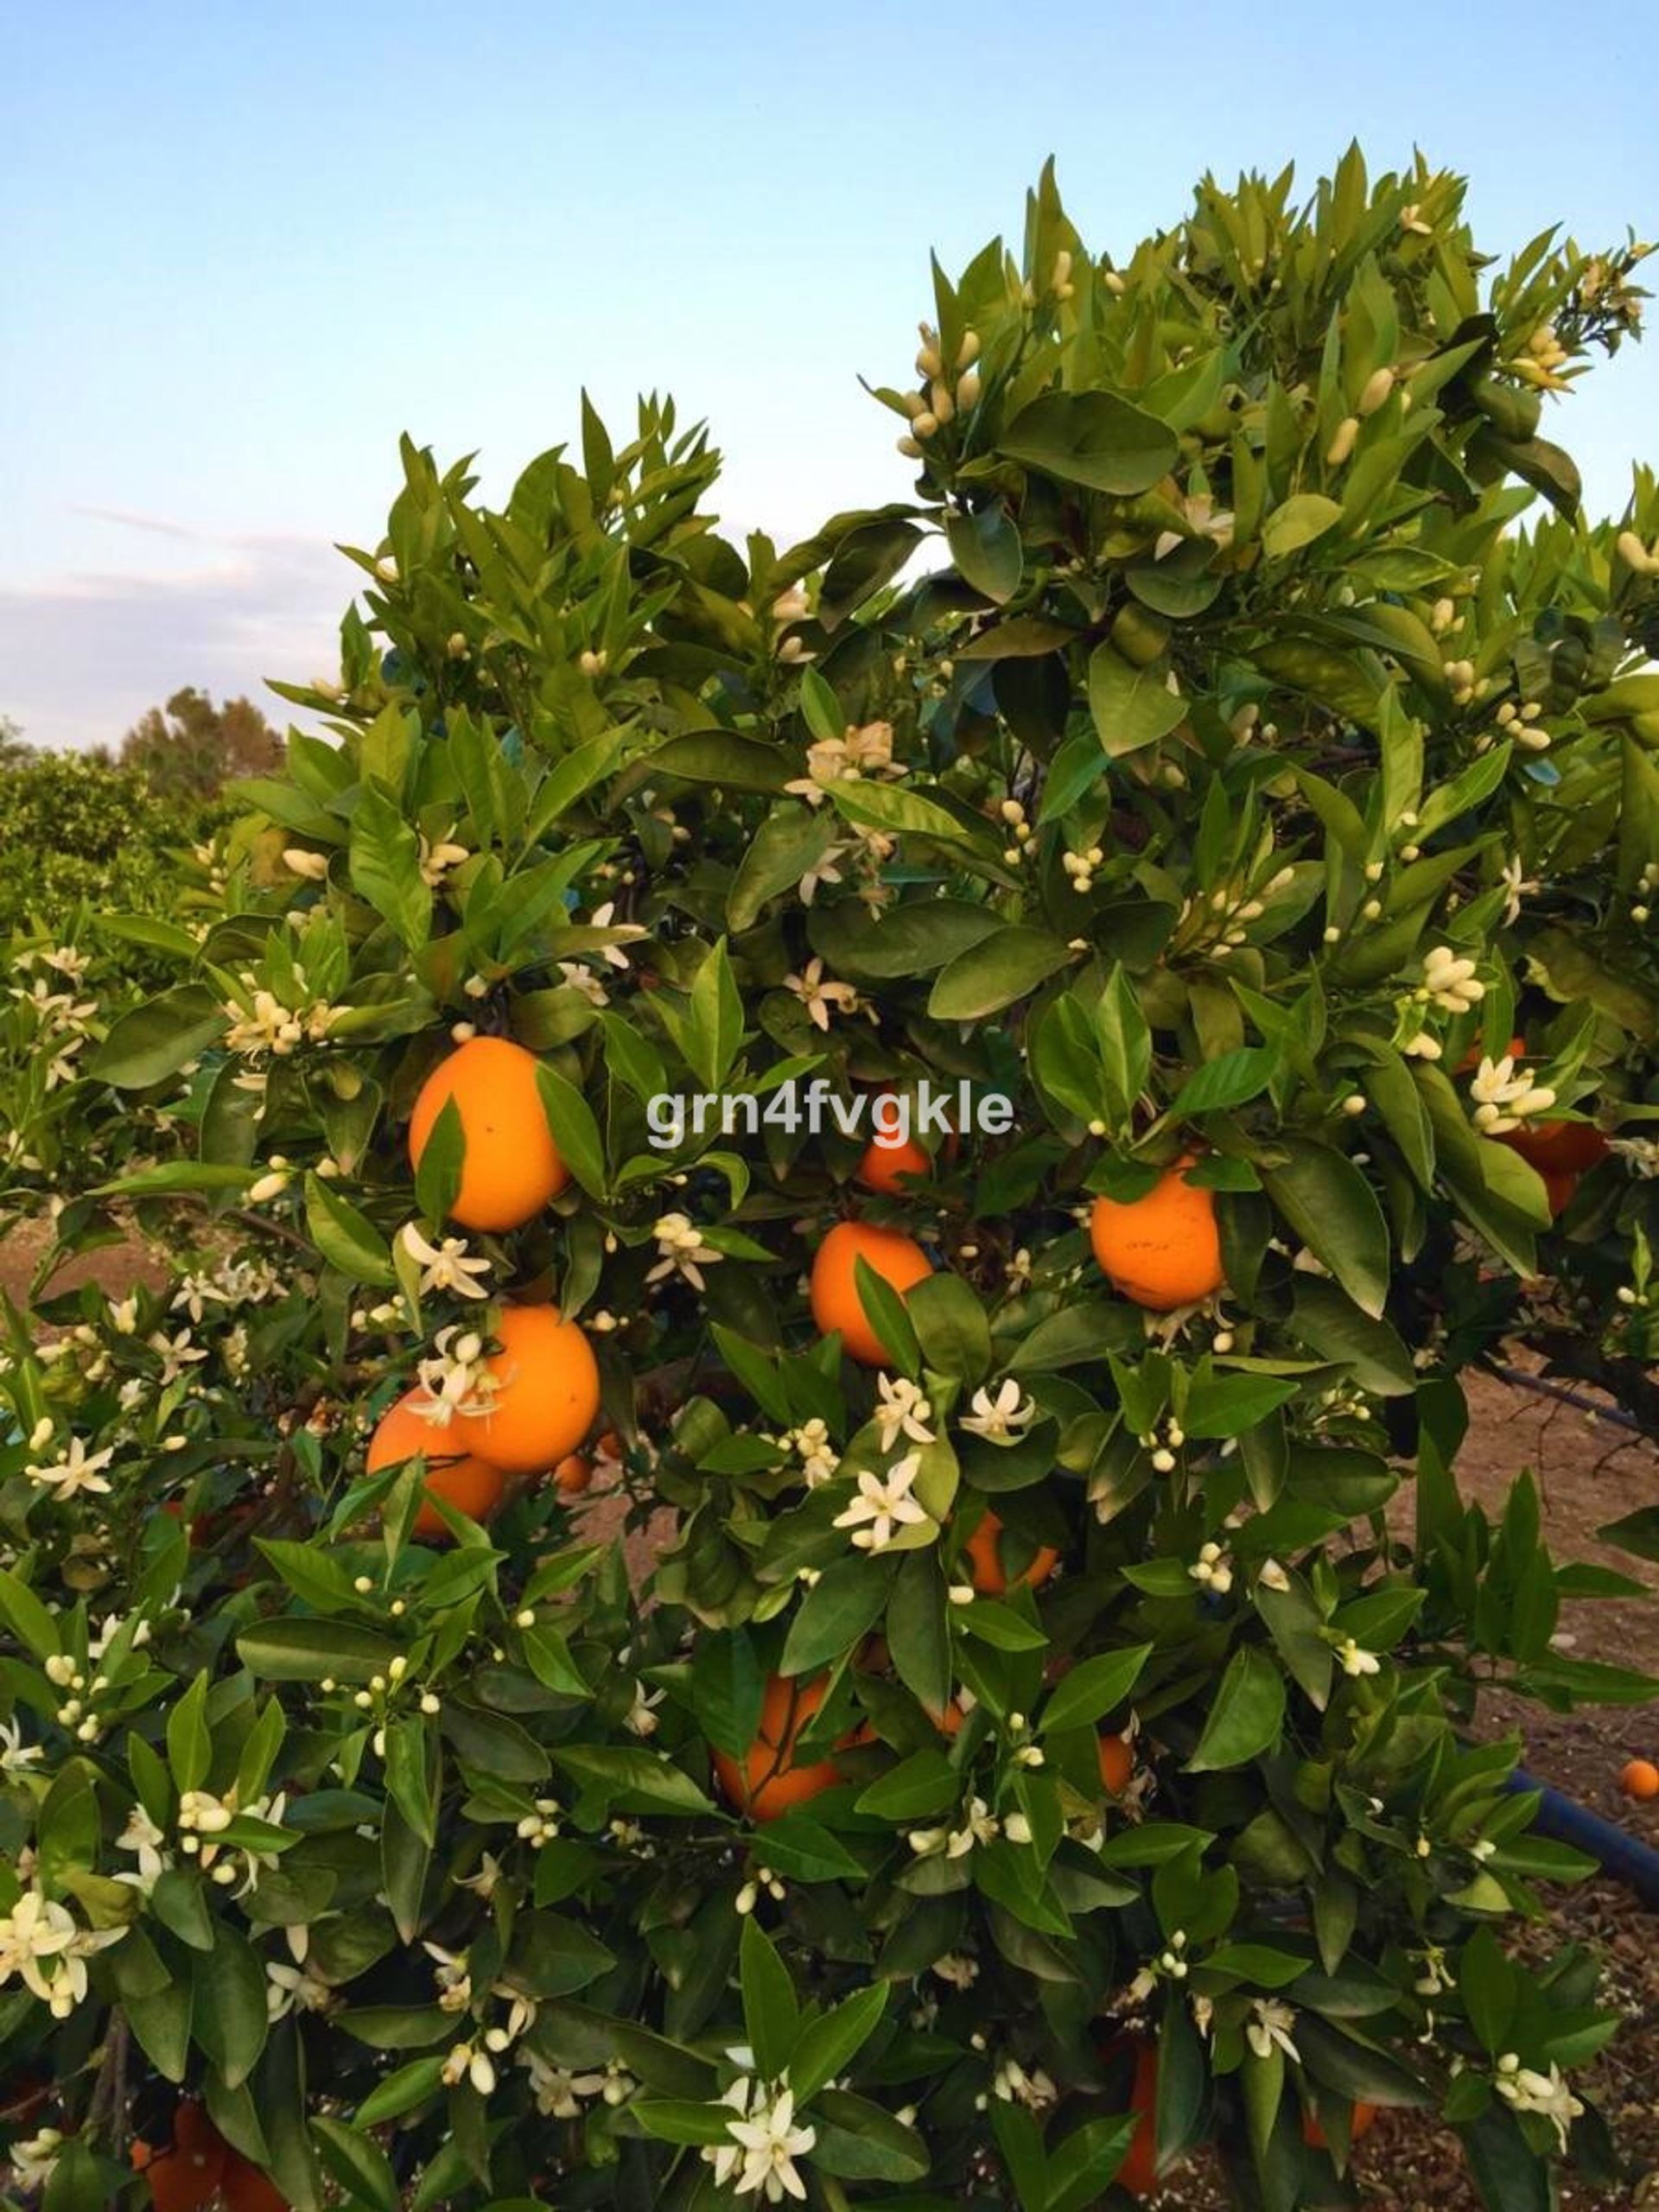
{"x": 154, "y": 1040}
{"x": 1220, "y": 1405}
{"x": 410, "y": 2085}
{"x": 846, "y": 1601}
{"x": 925, "y": 1782}
{"x": 1091, "y": 438}
{"x": 1093, "y": 1688}
{"x": 295, "y": 1650}
{"x": 992, "y": 974}
{"x": 917, "y": 1629}
{"x": 788, "y": 844}
{"x": 1246, "y": 1713}
{"x": 1297, "y": 523}
{"x": 719, "y": 756}
{"x": 1332, "y": 1208}
{"x": 715, "y": 1030}
{"x": 357, "y": 2161}
{"x": 633, "y": 1781}
{"x": 347, "y": 1239}
{"x": 189, "y": 1746}
{"x": 986, "y": 548}
{"x": 771, "y": 2016}
{"x": 21, "y": 1612}
{"x": 385, "y": 866}
{"x": 884, "y": 1309}
{"x": 230, "y": 2017}
{"x": 575, "y": 1132}
{"x": 1131, "y": 707}
{"x": 828, "y": 2045}
{"x": 1230, "y": 1079}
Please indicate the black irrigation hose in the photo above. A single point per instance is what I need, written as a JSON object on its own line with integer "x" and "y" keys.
{"x": 1565, "y": 1397}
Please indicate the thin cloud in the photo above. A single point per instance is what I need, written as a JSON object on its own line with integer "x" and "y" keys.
{"x": 83, "y": 654}
{"x": 157, "y": 526}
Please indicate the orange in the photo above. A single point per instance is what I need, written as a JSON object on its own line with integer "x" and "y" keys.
{"x": 990, "y": 1578}
{"x": 548, "y": 1393}
{"x": 1362, "y": 2120}
{"x": 1138, "y": 2175}
{"x": 1558, "y": 1148}
{"x": 1640, "y": 1780}
{"x": 767, "y": 1782}
{"x": 246, "y": 2189}
{"x": 887, "y": 1161}
{"x": 898, "y": 1258}
{"x": 1559, "y": 1189}
{"x": 1163, "y": 1250}
{"x": 189, "y": 2173}
{"x": 572, "y": 1475}
{"x": 1116, "y": 1763}
{"x": 511, "y": 1166}
{"x": 459, "y": 1478}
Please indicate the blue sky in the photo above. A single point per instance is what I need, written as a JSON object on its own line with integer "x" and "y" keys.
{"x": 247, "y": 246}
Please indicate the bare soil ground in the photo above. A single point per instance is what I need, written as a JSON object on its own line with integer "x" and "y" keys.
{"x": 1590, "y": 1473}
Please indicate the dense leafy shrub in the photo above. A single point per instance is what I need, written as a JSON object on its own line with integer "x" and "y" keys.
{"x": 1038, "y": 1750}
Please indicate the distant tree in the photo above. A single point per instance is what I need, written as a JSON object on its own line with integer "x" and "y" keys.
{"x": 192, "y": 749}
{"x": 12, "y": 747}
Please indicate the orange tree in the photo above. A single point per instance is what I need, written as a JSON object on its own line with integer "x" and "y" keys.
{"x": 1038, "y": 1743}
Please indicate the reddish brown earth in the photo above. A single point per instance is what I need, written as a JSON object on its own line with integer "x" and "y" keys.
{"x": 1590, "y": 1473}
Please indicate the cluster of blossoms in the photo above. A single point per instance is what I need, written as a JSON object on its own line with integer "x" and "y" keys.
{"x": 979, "y": 1825}
{"x": 579, "y": 976}
{"x": 884, "y": 1504}
{"x": 456, "y": 1378}
{"x": 1527, "y": 2090}
{"x": 62, "y": 1021}
{"x": 1450, "y": 981}
{"x": 1505, "y": 1095}
{"x": 261, "y": 1026}
{"x": 765, "y": 2141}
{"x": 683, "y": 1250}
{"x": 864, "y": 750}
{"x": 947, "y": 392}
{"x": 41, "y": 1944}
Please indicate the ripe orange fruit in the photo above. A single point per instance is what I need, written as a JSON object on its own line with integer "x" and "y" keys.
{"x": 458, "y": 1477}
{"x": 1138, "y": 2175}
{"x": 547, "y": 1397}
{"x": 572, "y": 1475}
{"x": 245, "y": 2188}
{"x": 189, "y": 2172}
{"x": 767, "y": 1781}
{"x": 1362, "y": 2120}
{"x": 887, "y": 1160}
{"x": 511, "y": 1166}
{"x": 898, "y": 1258}
{"x": 1558, "y": 1148}
{"x": 1559, "y": 1189}
{"x": 990, "y": 1578}
{"x": 1116, "y": 1763}
{"x": 1640, "y": 1781}
{"x": 1163, "y": 1250}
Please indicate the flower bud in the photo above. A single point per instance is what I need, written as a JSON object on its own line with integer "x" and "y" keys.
{"x": 928, "y": 363}
{"x": 968, "y": 390}
{"x": 1379, "y": 386}
{"x": 909, "y": 447}
{"x": 298, "y": 861}
{"x": 924, "y": 424}
{"x": 968, "y": 352}
{"x": 1343, "y": 444}
{"x": 940, "y": 402}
